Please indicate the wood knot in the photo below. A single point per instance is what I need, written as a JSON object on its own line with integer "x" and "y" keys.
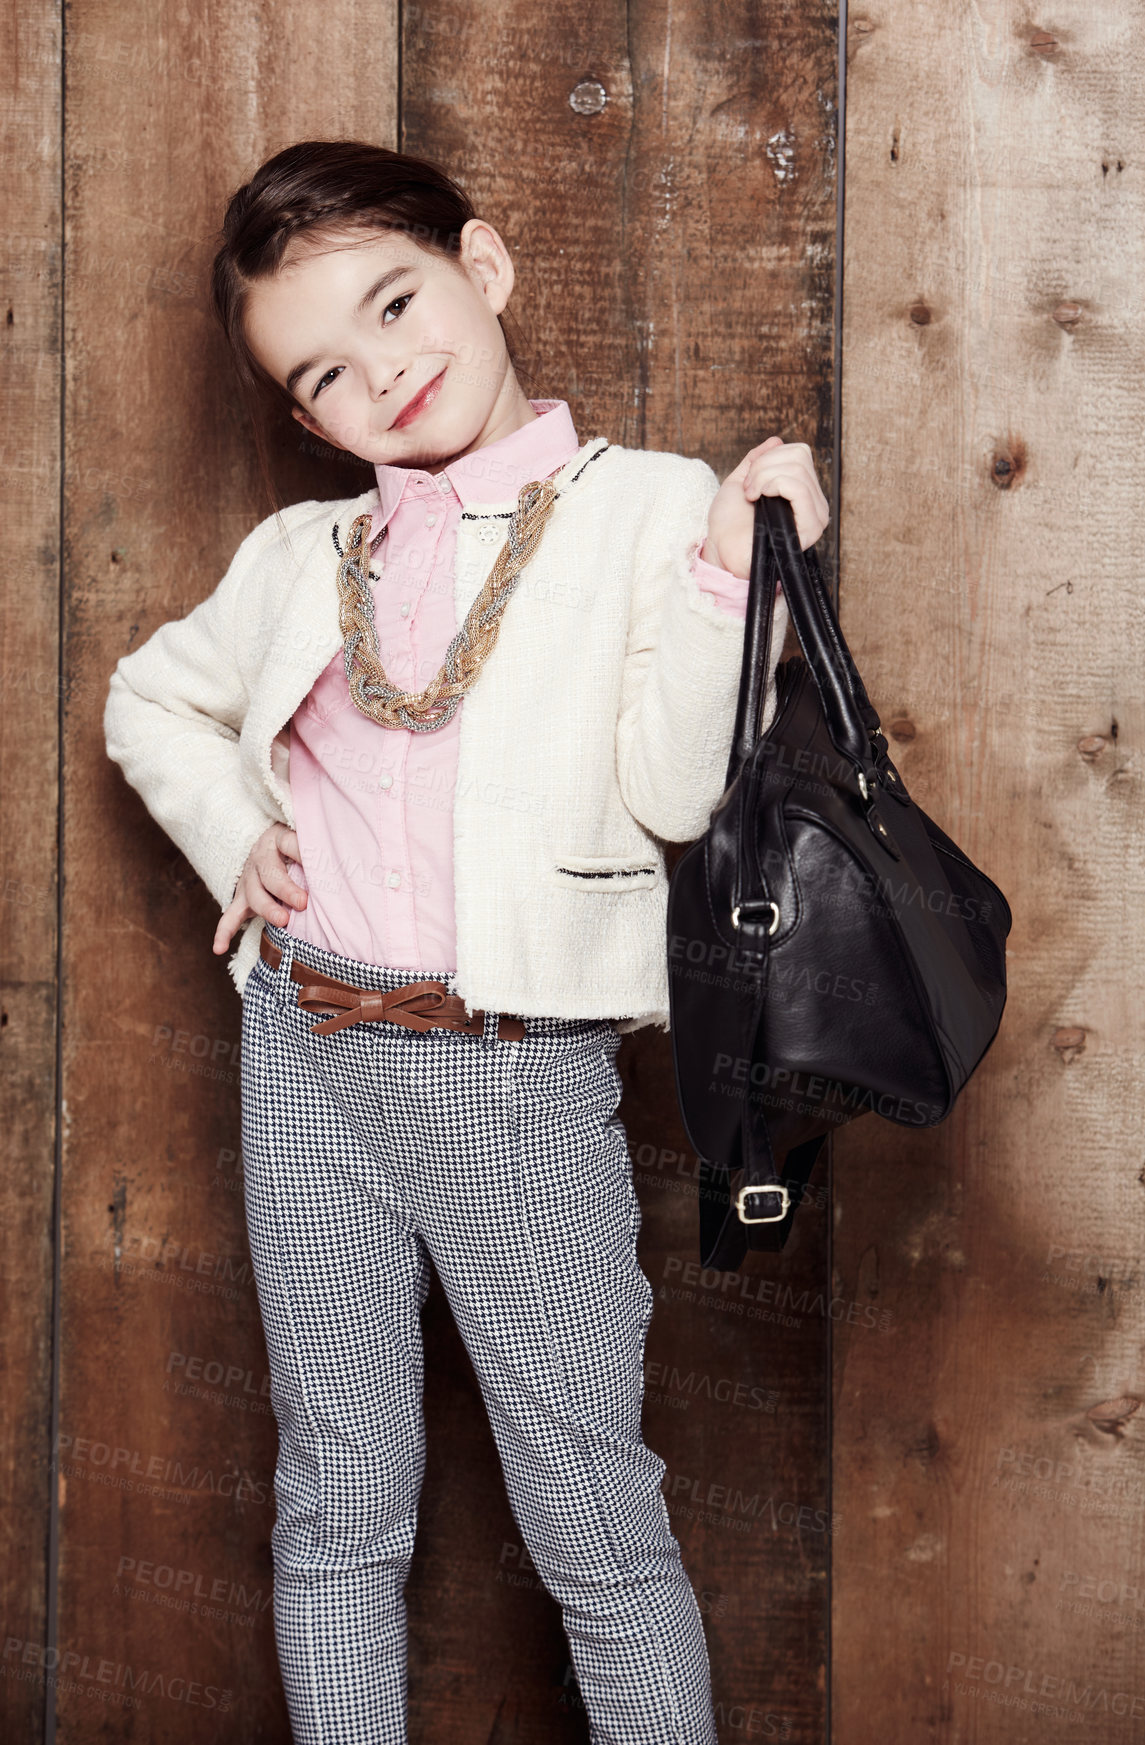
{"x": 904, "y": 730}
{"x": 920, "y": 314}
{"x": 1069, "y": 1042}
{"x": 862, "y": 26}
{"x": 178, "y": 873}
{"x": 1093, "y": 746}
{"x": 1068, "y": 315}
{"x": 1044, "y": 43}
{"x": 588, "y": 97}
{"x": 1110, "y": 1415}
{"x": 1008, "y": 465}
{"x": 926, "y": 1445}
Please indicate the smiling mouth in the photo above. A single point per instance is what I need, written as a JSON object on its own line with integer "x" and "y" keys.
{"x": 420, "y": 401}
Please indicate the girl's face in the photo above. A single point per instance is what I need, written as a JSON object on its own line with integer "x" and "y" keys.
{"x": 390, "y": 350}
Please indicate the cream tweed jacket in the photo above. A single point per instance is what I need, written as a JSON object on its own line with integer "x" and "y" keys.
{"x": 598, "y": 730}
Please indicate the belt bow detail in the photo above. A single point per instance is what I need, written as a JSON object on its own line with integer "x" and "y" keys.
{"x": 424, "y": 1005}
{"x": 409, "y": 1005}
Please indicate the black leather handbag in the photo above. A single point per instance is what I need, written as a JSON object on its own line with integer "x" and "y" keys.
{"x": 831, "y": 952}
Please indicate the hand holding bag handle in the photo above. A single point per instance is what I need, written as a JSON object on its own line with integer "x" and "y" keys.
{"x": 776, "y": 553}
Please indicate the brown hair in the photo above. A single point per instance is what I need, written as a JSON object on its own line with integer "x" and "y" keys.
{"x": 324, "y": 189}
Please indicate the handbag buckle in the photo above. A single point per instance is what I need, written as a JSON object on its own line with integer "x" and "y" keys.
{"x": 767, "y": 1188}
{"x": 756, "y": 904}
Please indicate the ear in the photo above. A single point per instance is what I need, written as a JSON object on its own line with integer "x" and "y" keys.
{"x": 487, "y": 261}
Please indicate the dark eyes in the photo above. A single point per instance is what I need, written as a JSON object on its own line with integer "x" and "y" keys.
{"x": 332, "y": 374}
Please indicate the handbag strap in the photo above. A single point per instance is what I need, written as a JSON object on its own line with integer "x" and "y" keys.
{"x": 756, "y": 646}
{"x": 849, "y": 715}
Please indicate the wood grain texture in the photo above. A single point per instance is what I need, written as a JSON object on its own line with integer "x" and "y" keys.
{"x": 989, "y": 1452}
{"x": 165, "y": 1564}
{"x": 674, "y": 244}
{"x": 30, "y": 295}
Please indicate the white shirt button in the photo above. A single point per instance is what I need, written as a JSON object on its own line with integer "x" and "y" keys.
{"x": 405, "y": 608}
{"x": 443, "y": 484}
{"x": 431, "y": 520}
{"x": 386, "y": 781}
{"x": 394, "y": 880}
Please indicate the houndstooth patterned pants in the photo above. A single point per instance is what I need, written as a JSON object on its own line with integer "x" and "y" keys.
{"x": 367, "y": 1154}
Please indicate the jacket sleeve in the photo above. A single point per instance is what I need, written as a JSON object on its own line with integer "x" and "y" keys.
{"x": 728, "y": 591}
{"x": 682, "y": 668}
{"x": 172, "y": 719}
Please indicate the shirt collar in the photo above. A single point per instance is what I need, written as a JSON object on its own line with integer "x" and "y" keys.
{"x": 492, "y": 474}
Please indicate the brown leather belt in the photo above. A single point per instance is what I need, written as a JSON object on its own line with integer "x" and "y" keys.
{"x": 424, "y": 1005}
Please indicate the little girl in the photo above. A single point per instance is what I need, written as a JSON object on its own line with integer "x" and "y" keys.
{"x": 425, "y": 746}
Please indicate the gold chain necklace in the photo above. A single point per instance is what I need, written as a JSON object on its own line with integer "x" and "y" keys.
{"x": 425, "y": 711}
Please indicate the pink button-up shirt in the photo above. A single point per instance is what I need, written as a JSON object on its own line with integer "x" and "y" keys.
{"x": 373, "y": 806}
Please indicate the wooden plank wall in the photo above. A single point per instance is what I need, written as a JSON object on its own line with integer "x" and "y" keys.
{"x": 989, "y": 1452}
{"x": 674, "y": 231}
{"x": 30, "y": 313}
{"x": 168, "y": 1442}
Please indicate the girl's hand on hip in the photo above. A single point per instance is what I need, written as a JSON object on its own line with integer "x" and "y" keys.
{"x": 774, "y": 469}
{"x": 263, "y": 881}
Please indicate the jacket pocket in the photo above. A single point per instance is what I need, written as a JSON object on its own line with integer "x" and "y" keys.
{"x": 608, "y": 872}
